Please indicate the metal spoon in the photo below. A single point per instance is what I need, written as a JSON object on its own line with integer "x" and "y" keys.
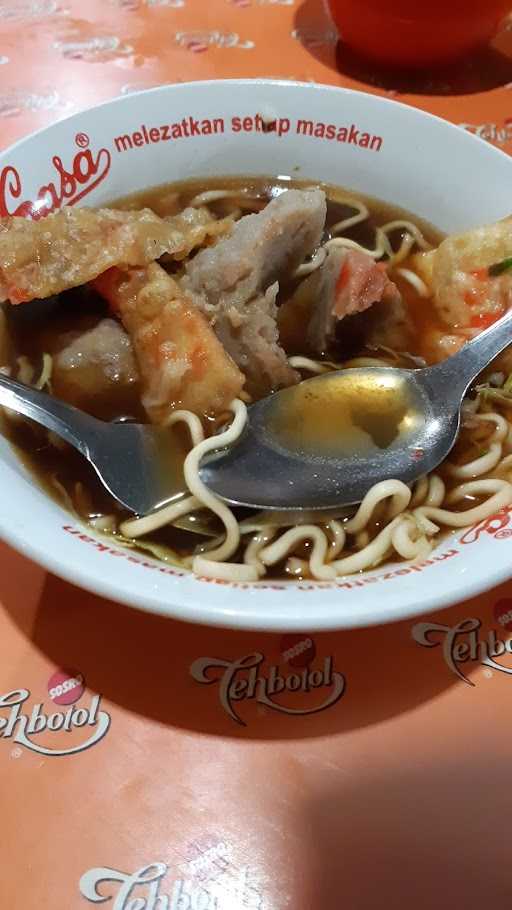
{"x": 141, "y": 465}
{"x": 263, "y": 470}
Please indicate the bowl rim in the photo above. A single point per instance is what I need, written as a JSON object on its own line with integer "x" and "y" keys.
{"x": 260, "y": 81}
{"x": 268, "y": 621}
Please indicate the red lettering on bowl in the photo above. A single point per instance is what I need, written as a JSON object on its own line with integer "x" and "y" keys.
{"x": 66, "y": 186}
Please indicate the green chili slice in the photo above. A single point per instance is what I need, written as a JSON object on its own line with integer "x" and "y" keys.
{"x": 499, "y": 267}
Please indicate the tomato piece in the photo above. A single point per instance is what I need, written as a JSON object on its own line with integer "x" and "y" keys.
{"x": 468, "y": 298}
{"x": 343, "y": 278}
{"x": 484, "y": 320}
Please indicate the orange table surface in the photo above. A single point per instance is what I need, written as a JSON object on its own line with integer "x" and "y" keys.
{"x": 132, "y": 777}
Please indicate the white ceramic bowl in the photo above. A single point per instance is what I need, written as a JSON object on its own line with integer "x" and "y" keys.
{"x": 384, "y": 149}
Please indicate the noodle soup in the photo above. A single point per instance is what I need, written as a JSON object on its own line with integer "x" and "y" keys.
{"x": 184, "y": 304}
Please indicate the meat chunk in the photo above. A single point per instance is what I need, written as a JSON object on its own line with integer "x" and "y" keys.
{"x": 387, "y": 324}
{"x": 181, "y": 361}
{"x": 234, "y": 282}
{"x": 347, "y": 283}
{"x": 94, "y": 365}
{"x": 74, "y": 246}
{"x": 465, "y": 294}
{"x": 262, "y": 248}
{"x": 256, "y": 348}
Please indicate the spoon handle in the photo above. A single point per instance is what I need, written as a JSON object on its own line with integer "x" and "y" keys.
{"x": 452, "y": 377}
{"x": 63, "y": 419}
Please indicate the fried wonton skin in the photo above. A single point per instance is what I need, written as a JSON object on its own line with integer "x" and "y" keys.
{"x": 72, "y": 247}
{"x": 470, "y": 276}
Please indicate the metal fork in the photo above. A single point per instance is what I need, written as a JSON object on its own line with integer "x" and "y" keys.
{"x": 141, "y": 466}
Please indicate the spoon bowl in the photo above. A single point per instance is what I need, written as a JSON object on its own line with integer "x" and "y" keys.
{"x": 275, "y": 467}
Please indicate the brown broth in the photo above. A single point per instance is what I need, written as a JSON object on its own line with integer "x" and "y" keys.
{"x": 46, "y": 326}
{"x": 342, "y": 416}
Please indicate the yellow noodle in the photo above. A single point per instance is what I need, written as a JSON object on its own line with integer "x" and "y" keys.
{"x": 410, "y": 541}
{"x": 420, "y": 491}
{"x": 46, "y": 372}
{"x": 501, "y": 491}
{"x": 296, "y": 567}
{"x": 105, "y": 523}
{"x": 502, "y": 426}
{"x": 206, "y": 497}
{"x": 382, "y": 245}
{"x": 313, "y": 366}
{"x": 289, "y": 541}
{"x": 138, "y": 527}
{"x": 361, "y": 215}
{"x": 312, "y": 265}
{"x": 256, "y": 545}
{"x": 226, "y": 571}
{"x": 504, "y": 466}
{"x": 194, "y": 425}
{"x": 216, "y": 195}
{"x": 479, "y": 466}
{"x": 369, "y": 556}
{"x": 399, "y": 493}
{"x": 419, "y": 286}
{"x": 338, "y": 538}
{"x": 436, "y": 491}
{"x": 362, "y": 539}
{"x": 410, "y": 228}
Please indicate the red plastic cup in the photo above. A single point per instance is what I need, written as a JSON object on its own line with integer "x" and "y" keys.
{"x": 406, "y": 34}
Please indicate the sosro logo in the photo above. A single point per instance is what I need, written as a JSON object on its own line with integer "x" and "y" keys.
{"x": 25, "y": 728}
{"x": 242, "y": 680}
{"x": 463, "y": 644}
{"x": 66, "y": 187}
